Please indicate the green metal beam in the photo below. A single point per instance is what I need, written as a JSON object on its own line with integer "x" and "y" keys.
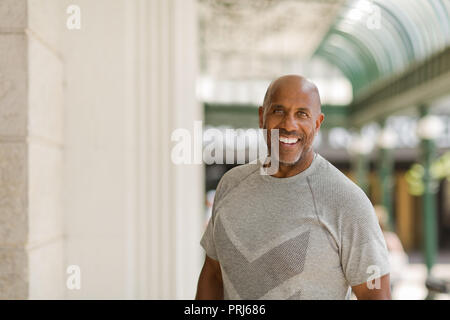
{"x": 246, "y": 115}
{"x": 421, "y": 83}
{"x": 361, "y": 168}
{"x": 429, "y": 205}
{"x": 233, "y": 115}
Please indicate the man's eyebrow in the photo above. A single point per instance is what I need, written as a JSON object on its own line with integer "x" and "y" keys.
{"x": 304, "y": 109}
{"x": 277, "y": 105}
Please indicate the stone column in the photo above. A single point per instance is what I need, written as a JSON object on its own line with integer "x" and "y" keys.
{"x": 31, "y": 151}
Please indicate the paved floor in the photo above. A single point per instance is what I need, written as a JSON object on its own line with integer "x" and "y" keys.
{"x": 412, "y": 286}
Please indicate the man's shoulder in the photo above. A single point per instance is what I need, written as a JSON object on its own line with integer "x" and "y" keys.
{"x": 331, "y": 178}
{"x": 236, "y": 175}
{"x": 230, "y": 180}
{"x": 333, "y": 187}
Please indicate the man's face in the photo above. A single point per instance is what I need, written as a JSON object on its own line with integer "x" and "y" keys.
{"x": 297, "y": 117}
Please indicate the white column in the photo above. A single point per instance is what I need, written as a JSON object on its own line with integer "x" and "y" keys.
{"x": 188, "y": 180}
{"x": 169, "y": 202}
{"x": 98, "y": 158}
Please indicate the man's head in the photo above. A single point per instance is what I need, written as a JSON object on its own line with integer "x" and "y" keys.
{"x": 292, "y": 105}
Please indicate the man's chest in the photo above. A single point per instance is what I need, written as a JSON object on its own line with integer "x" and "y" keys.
{"x": 255, "y": 217}
{"x": 269, "y": 243}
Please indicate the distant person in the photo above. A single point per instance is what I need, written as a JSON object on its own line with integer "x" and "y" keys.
{"x": 304, "y": 232}
{"x": 397, "y": 257}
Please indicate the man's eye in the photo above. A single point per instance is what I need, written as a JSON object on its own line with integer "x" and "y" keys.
{"x": 277, "y": 111}
{"x": 303, "y": 114}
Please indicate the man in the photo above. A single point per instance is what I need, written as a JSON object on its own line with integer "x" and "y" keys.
{"x": 305, "y": 232}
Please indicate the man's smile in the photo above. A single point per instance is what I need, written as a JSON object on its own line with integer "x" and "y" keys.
{"x": 289, "y": 142}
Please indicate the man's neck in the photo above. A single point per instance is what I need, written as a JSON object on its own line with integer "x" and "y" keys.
{"x": 285, "y": 171}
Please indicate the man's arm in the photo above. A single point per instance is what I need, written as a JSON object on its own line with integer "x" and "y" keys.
{"x": 363, "y": 292}
{"x": 210, "y": 285}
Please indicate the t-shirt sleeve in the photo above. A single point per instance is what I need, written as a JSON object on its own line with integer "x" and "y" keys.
{"x": 364, "y": 254}
{"x": 207, "y": 241}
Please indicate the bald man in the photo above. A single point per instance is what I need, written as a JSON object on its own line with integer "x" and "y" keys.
{"x": 304, "y": 232}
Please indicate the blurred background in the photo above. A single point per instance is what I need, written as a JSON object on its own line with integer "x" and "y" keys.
{"x": 92, "y": 203}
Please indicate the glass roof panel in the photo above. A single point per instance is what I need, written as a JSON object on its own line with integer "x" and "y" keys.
{"x": 375, "y": 39}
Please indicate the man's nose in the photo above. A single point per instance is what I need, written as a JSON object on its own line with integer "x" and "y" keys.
{"x": 289, "y": 123}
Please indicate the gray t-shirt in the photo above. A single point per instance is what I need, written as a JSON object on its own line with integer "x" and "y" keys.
{"x": 309, "y": 236}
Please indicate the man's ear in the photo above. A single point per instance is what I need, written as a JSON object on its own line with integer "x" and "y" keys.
{"x": 319, "y": 121}
{"x": 261, "y": 116}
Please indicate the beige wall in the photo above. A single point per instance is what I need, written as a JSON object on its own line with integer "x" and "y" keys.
{"x": 85, "y": 171}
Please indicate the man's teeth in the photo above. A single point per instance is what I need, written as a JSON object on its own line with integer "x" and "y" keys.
{"x": 288, "y": 140}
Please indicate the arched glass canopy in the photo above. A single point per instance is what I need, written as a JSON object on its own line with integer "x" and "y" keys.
{"x": 374, "y": 39}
